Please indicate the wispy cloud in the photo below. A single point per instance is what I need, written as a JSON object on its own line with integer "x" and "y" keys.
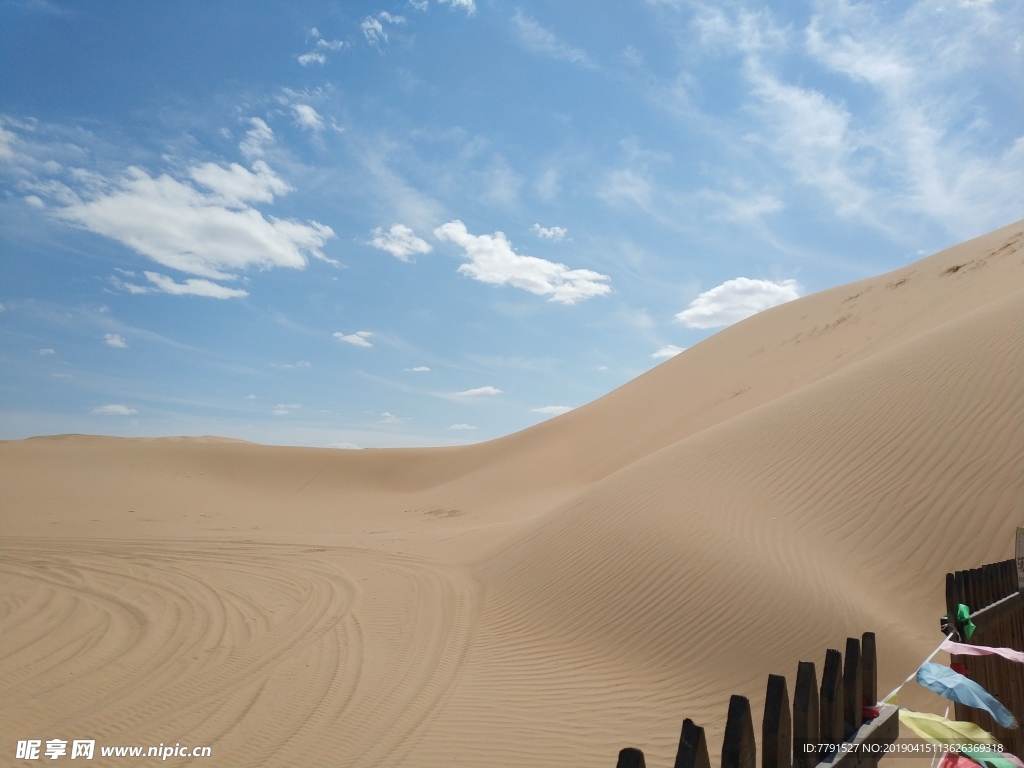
{"x": 735, "y": 300}
{"x": 552, "y": 410}
{"x": 479, "y": 391}
{"x": 669, "y": 350}
{"x": 418, "y": 369}
{"x": 492, "y": 260}
{"x": 285, "y": 409}
{"x": 321, "y": 48}
{"x": 902, "y": 148}
{"x": 115, "y": 340}
{"x": 114, "y": 410}
{"x": 468, "y": 5}
{"x": 538, "y": 39}
{"x": 47, "y": 351}
{"x": 307, "y": 117}
{"x": 373, "y": 27}
{"x": 256, "y": 140}
{"x": 462, "y": 426}
{"x": 191, "y": 287}
{"x": 400, "y": 241}
{"x": 358, "y": 339}
{"x": 549, "y": 233}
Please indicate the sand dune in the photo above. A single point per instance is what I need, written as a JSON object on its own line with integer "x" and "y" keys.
{"x": 549, "y": 597}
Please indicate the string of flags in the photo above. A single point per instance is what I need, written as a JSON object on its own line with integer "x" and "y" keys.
{"x": 951, "y": 683}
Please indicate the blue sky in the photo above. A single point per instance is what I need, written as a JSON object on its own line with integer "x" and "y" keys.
{"x": 437, "y": 222}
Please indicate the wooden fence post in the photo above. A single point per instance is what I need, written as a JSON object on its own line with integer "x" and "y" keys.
{"x": 852, "y": 688}
{"x": 693, "y": 748}
{"x": 776, "y": 731}
{"x": 805, "y": 715}
{"x": 830, "y": 707}
{"x": 631, "y": 757}
{"x": 869, "y": 669}
{"x": 739, "y": 749}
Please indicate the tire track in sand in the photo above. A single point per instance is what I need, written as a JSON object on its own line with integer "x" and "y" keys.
{"x": 267, "y": 653}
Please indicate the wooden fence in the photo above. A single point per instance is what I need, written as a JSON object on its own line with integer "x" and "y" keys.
{"x": 997, "y": 611}
{"x": 832, "y": 714}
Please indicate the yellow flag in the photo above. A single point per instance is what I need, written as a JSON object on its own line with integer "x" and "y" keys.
{"x": 939, "y": 730}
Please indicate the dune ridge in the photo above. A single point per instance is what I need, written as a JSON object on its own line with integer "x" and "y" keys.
{"x": 548, "y": 597}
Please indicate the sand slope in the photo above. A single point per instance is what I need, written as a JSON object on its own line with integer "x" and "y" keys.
{"x": 546, "y": 598}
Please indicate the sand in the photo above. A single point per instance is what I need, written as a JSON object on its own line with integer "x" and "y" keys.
{"x": 546, "y": 598}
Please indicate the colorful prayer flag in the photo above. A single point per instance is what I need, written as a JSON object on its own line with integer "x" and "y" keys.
{"x": 955, "y": 687}
{"x": 963, "y": 649}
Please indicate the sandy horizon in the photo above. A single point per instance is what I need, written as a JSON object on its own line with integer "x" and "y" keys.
{"x": 549, "y": 597}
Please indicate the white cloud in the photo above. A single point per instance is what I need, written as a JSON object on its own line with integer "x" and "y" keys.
{"x": 735, "y": 300}
{"x": 390, "y": 418}
{"x": 256, "y": 138}
{"x": 346, "y": 446}
{"x": 319, "y": 53}
{"x": 373, "y": 28}
{"x": 419, "y": 5}
{"x": 191, "y": 287}
{"x": 237, "y": 185}
{"x": 461, "y": 426}
{"x": 400, "y": 241}
{"x": 115, "y": 340}
{"x": 552, "y": 410}
{"x": 35, "y": 201}
{"x": 488, "y": 390}
{"x": 549, "y": 233}
{"x": 492, "y": 260}
{"x": 418, "y": 369}
{"x": 538, "y": 39}
{"x": 205, "y": 234}
{"x": 307, "y": 117}
{"x": 61, "y": 375}
{"x": 250, "y": 397}
{"x": 114, "y": 410}
{"x": 359, "y": 338}
{"x": 46, "y": 352}
{"x": 897, "y": 127}
{"x": 373, "y": 31}
{"x": 469, "y": 5}
{"x": 293, "y": 366}
{"x": 669, "y": 350}
{"x": 3, "y": 308}
{"x": 285, "y": 409}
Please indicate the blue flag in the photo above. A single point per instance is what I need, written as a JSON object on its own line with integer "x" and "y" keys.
{"x": 955, "y": 687}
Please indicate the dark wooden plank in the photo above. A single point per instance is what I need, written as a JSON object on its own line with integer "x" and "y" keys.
{"x": 630, "y": 757}
{"x": 961, "y": 711}
{"x": 805, "y": 715}
{"x": 739, "y": 749}
{"x": 852, "y": 689}
{"x": 830, "y": 702}
{"x": 693, "y": 748}
{"x": 776, "y": 730}
{"x": 950, "y": 602}
{"x": 868, "y": 669}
